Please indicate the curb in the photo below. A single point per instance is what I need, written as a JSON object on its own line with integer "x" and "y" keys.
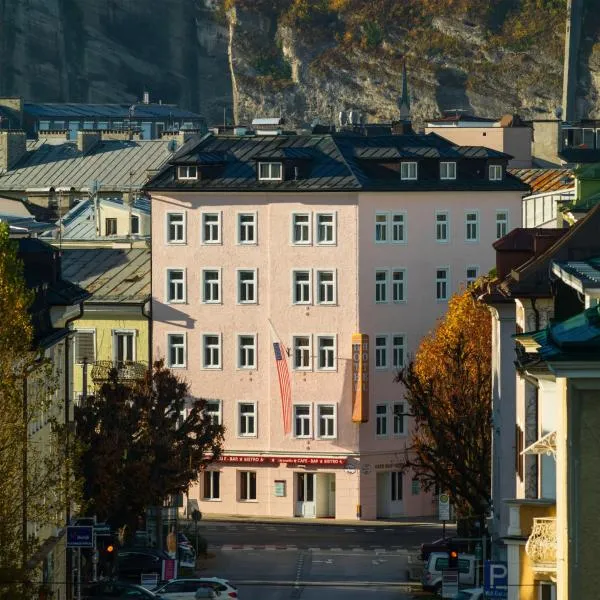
{"x": 396, "y": 584}
{"x": 291, "y": 547}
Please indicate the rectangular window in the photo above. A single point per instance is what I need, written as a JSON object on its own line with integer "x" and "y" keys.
{"x": 398, "y": 285}
{"x": 176, "y": 349}
{"x": 519, "y": 447}
{"x": 211, "y": 286}
{"x": 326, "y": 344}
{"x": 501, "y": 223}
{"x": 326, "y": 292}
{"x": 176, "y": 228}
{"x": 175, "y": 285}
{"x": 212, "y": 410}
{"x": 247, "y": 422}
{"x": 301, "y": 229}
{"x": 441, "y": 284}
{"x": 415, "y": 487}
{"x": 441, "y": 227}
{"x": 85, "y": 346}
{"x": 110, "y": 226}
{"x": 270, "y": 171}
{"x": 211, "y": 228}
{"x": 381, "y": 419}
{"x": 447, "y": 170}
{"x": 211, "y": 343}
{"x": 302, "y": 421}
{"x": 247, "y": 351}
{"x": 326, "y": 228}
{"x": 398, "y": 349}
{"x": 247, "y": 292}
{"x": 247, "y": 228}
{"x": 472, "y": 274}
{"x": 381, "y": 352}
{"x": 124, "y": 346}
{"x": 302, "y": 358}
{"x": 135, "y": 225}
{"x": 247, "y": 485}
{"x": 396, "y": 485}
{"x": 471, "y": 226}
{"x": 381, "y": 285}
{"x": 212, "y": 485}
{"x": 399, "y": 415}
{"x": 495, "y": 172}
{"x": 326, "y": 419}
{"x": 301, "y": 292}
{"x": 399, "y": 228}
{"x": 187, "y": 172}
{"x": 381, "y": 228}
{"x": 408, "y": 170}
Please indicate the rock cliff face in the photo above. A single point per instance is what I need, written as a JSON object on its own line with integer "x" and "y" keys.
{"x": 301, "y": 59}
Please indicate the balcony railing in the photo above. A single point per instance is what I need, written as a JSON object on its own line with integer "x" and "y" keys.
{"x": 127, "y": 371}
{"x": 541, "y": 545}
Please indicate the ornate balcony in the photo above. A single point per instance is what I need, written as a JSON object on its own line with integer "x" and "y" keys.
{"x": 127, "y": 371}
{"x": 541, "y": 545}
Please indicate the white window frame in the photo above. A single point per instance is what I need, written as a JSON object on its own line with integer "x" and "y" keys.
{"x": 310, "y": 347}
{"x": 253, "y": 415}
{"x": 383, "y": 226}
{"x": 250, "y": 366}
{"x": 333, "y": 226}
{"x": 403, "y": 227}
{"x": 383, "y": 418}
{"x": 215, "y": 417}
{"x": 445, "y": 225}
{"x": 218, "y": 225}
{"x": 184, "y": 172}
{"x": 219, "y": 285}
{"x": 328, "y": 418}
{"x": 385, "y": 366}
{"x": 123, "y": 331}
{"x": 183, "y": 226}
{"x": 439, "y": 280}
{"x": 409, "y": 170}
{"x": 305, "y": 418}
{"x": 447, "y": 170}
{"x": 309, "y": 284}
{"x": 169, "y": 272}
{"x": 470, "y": 280}
{"x": 270, "y": 177}
{"x": 253, "y": 226}
{"x": 76, "y": 349}
{"x": 395, "y": 348}
{"x": 502, "y": 223}
{"x": 308, "y": 226}
{"x": 332, "y": 285}
{"x": 219, "y": 347}
{"x": 384, "y": 285}
{"x": 170, "y": 364}
{"x": 210, "y": 474}
{"x": 470, "y": 223}
{"x": 394, "y": 284}
{"x": 244, "y": 474}
{"x": 254, "y": 285}
{"x": 495, "y": 172}
{"x": 330, "y": 350}
{"x": 401, "y": 417}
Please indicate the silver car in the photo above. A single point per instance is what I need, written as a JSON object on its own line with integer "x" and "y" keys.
{"x": 186, "y": 589}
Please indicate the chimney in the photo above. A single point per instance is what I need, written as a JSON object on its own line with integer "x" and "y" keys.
{"x": 13, "y": 145}
{"x": 87, "y": 139}
{"x": 146, "y": 97}
{"x": 14, "y": 106}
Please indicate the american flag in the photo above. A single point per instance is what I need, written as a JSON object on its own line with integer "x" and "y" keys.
{"x": 285, "y": 387}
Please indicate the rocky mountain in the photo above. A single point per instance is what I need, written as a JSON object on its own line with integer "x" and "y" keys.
{"x": 301, "y": 59}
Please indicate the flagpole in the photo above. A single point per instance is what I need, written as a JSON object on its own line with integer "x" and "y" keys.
{"x": 284, "y": 379}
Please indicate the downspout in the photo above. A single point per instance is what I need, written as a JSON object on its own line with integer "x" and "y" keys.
{"x": 536, "y": 312}
{"x": 147, "y": 312}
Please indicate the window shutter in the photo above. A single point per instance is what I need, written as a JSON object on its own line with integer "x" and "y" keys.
{"x": 84, "y": 347}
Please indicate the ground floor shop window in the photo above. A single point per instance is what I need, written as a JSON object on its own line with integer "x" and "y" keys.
{"x": 212, "y": 485}
{"x": 247, "y": 485}
{"x": 396, "y": 485}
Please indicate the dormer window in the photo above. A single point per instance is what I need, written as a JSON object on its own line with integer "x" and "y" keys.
{"x": 408, "y": 171}
{"x": 447, "y": 170}
{"x": 495, "y": 172}
{"x": 270, "y": 171}
{"x": 187, "y": 172}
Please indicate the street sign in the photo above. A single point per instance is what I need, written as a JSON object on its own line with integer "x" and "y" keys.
{"x": 444, "y": 507}
{"x": 80, "y": 536}
{"x": 149, "y": 580}
{"x": 102, "y": 529}
{"x": 495, "y": 579}
{"x": 449, "y": 583}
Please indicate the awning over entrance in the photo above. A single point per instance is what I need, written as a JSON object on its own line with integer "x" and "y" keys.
{"x": 545, "y": 445}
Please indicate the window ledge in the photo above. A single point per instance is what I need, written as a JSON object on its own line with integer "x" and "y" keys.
{"x": 211, "y": 500}
{"x": 176, "y": 243}
{"x": 248, "y": 501}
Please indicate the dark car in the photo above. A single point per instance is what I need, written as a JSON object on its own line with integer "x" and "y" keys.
{"x": 132, "y": 562}
{"x": 105, "y": 590}
{"x": 443, "y": 545}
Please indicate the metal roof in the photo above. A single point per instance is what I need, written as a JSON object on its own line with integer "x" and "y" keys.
{"x": 110, "y": 275}
{"x": 545, "y": 180}
{"x": 110, "y": 162}
{"x": 581, "y": 275}
{"x": 70, "y": 110}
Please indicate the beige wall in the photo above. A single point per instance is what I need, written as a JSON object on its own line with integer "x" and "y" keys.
{"x": 122, "y": 214}
{"x": 546, "y": 139}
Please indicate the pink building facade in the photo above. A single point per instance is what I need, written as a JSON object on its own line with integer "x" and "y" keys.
{"x": 239, "y": 264}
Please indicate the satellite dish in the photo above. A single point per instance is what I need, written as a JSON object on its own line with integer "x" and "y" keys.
{"x": 343, "y": 118}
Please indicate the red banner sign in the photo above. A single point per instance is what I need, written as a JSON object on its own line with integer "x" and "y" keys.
{"x": 294, "y": 460}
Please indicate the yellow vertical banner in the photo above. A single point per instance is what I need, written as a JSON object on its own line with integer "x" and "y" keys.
{"x": 360, "y": 378}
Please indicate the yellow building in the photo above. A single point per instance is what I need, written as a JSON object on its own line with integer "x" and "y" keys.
{"x": 114, "y": 330}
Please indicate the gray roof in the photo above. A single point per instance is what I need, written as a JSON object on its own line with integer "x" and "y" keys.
{"x": 109, "y": 275}
{"x": 47, "y": 165}
{"x": 582, "y": 275}
{"x": 25, "y": 225}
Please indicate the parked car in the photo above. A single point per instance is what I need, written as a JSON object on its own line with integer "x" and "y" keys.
{"x": 442, "y": 545}
{"x": 470, "y": 594}
{"x": 186, "y": 588}
{"x": 438, "y": 561}
{"x": 107, "y": 590}
{"x": 133, "y": 561}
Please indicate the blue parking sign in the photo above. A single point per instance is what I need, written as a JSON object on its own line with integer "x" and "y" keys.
{"x": 80, "y": 536}
{"x": 495, "y": 579}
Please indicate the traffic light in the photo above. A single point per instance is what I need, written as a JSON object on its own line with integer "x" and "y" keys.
{"x": 107, "y": 553}
{"x": 452, "y": 557}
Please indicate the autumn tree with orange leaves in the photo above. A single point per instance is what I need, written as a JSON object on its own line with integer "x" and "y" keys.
{"x": 448, "y": 389}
